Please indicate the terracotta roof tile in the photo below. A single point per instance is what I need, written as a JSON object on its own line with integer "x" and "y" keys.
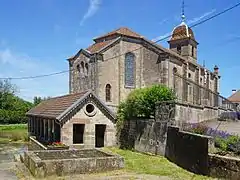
{"x": 97, "y": 46}
{"x": 122, "y": 31}
{"x": 235, "y": 97}
{"x": 53, "y": 107}
{"x": 181, "y": 32}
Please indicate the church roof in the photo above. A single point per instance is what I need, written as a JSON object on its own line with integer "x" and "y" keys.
{"x": 181, "y": 32}
{"x": 59, "y": 107}
{"x": 235, "y": 97}
{"x": 120, "y": 31}
{"x": 99, "y": 45}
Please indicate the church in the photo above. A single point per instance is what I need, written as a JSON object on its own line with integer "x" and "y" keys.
{"x": 123, "y": 60}
{"x": 102, "y": 75}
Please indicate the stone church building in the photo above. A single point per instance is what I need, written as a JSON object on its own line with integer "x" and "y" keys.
{"x": 123, "y": 60}
{"x": 102, "y": 75}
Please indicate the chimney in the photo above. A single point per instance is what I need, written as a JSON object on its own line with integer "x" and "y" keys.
{"x": 233, "y": 91}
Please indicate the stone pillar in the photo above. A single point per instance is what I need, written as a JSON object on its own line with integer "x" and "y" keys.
{"x": 165, "y": 74}
{"x": 184, "y": 84}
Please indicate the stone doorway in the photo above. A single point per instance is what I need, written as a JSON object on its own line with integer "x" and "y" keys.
{"x": 99, "y": 135}
{"x": 78, "y": 132}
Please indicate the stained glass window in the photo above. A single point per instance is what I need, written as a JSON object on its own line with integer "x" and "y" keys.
{"x": 129, "y": 70}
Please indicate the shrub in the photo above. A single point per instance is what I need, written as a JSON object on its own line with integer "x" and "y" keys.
{"x": 230, "y": 143}
{"x": 196, "y": 128}
{"x": 141, "y": 102}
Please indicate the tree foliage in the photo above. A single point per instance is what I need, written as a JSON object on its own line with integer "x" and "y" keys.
{"x": 12, "y": 108}
{"x": 37, "y": 100}
{"x": 140, "y": 103}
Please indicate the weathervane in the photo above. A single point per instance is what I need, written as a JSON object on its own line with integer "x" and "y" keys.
{"x": 183, "y": 13}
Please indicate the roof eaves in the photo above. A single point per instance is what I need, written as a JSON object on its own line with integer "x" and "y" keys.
{"x": 88, "y": 53}
{"x": 79, "y": 101}
{"x": 99, "y": 51}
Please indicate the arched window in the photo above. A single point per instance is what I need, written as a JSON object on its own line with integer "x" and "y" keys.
{"x": 78, "y": 68}
{"x": 86, "y": 66}
{"x": 130, "y": 70}
{"x": 108, "y": 92}
{"x": 82, "y": 67}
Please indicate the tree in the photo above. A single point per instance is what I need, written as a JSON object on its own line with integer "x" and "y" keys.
{"x": 12, "y": 108}
{"x": 7, "y": 87}
{"x": 37, "y": 100}
{"x": 141, "y": 102}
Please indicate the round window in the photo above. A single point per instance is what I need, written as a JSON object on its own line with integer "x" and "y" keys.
{"x": 90, "y": 110}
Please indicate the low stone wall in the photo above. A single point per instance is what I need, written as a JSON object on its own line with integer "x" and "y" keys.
{"x": 69, "y": 165}
{"x": 144, "y": 135}
{"x": 34, "y": 144}
{"x": 188, "y": 150}
{"x": 188, "y": 113}
{"x": 224, "y": 167}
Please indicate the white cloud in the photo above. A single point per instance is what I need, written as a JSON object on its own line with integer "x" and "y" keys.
{"x": 92, "y": 9}
{"x": 196, "y": 19}
{"x": 14, "y": 64}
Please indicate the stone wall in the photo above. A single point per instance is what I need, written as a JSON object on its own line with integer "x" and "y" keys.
{"x": 188, "y": 113}
{"x": 34, "y": 145}
{"x": 224, "y": 167}
{"x": 144, "y": 135}
{"x": 81, "y": 117}
{"x": 187, "y": 150}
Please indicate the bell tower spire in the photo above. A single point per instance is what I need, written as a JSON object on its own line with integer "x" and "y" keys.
{"x": 183, "y": 12}
{"x": 182, "y": 40}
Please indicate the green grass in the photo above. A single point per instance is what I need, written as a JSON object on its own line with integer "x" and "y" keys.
{"x": 155, "y": 165}
{"x": 13, "y": 132}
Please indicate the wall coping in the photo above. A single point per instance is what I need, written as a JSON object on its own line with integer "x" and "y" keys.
{"x": 186, "y": 132}
{"x": 224, "y": 157}
{"x": 32, "y": 138}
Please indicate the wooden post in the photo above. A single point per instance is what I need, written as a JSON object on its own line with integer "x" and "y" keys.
{"x": 44, "y": 125}
{"x": 53, "y": 130}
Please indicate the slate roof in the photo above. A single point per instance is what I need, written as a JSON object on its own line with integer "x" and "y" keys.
{"x": 235, "y": 97}
{"x": 54, "y": 107}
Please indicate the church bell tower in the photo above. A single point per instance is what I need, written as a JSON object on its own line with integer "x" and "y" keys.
{"x": 183, "y": 41}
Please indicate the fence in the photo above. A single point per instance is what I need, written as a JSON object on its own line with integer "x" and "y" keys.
{"x": 189, "y": 91}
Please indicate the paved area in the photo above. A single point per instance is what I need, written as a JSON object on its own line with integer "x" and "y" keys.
{"x": 7, "y": 164}
{"x": 232, "y": 127}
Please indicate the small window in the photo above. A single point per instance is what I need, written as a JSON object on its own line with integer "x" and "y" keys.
{"x": 82, "y": 67}
{"x": 192, "y": 51}
{"x": 78, "y": 68}
{"x": 179, "y": 49}
{"x": 174, "y": 70}
{"x": 86, "y": 66}
{"x": 108, "y": 92}
{"x": 189, "y": 75}
{"x": 89, "y": 108}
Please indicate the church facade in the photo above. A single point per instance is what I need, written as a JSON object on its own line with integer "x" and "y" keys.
{"x": 122, "y": 60}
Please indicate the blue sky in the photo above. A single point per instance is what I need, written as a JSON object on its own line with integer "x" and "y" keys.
{"x": 36, "y": 37}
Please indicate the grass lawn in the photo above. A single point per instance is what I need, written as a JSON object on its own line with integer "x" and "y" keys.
{"x": 13, "y": 132}
{"x": 155, "y": 165}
